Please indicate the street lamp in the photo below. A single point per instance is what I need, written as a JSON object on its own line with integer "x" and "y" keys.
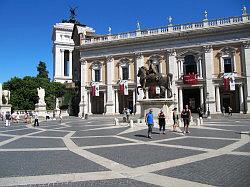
{"x": 208, "y": 111}
{"x": 174, "y": 100}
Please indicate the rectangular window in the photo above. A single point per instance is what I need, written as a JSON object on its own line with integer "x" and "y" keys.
{"x": 97, "y": 75}
{"x": 125, "y": 73}
{"x": 228, "y": 68}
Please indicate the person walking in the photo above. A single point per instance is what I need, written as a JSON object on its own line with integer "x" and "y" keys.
{"x": 149, "y": 119}
{"x": 36, "y": 123}
{"x": 162, "y": 122}
{"x": 175, "y": 119}
{"x": 186, "y": 115}
{"x": 7, "y": 119}
{"x": 230, "y": 110}
{"x": 200, "y": 111}
{"x": 128, "y": 114}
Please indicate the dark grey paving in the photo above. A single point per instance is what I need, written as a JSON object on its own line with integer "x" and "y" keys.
{"x": 212, "y": 133}
{"x": 12, "y": 127}
{"x": 244, "y": 148}
{"x": 100, "y": 183}
{"x": 98, "y": 141}
{"x": 140, "y": 155}
{"x": 232, "y": 127}
{"x": 52, "y": 133}
{"x": 3, "y": 138}
{"x": 34, "y": 143}
{"x": 44, "y": 163}
{"x": 78, "y": 128}
{"x": 103, "y": 132}
{"x": 200, "y": 142}
{"x": 21, "y": 132}
{"x": 142, "y": 135}
{"x": 225, "y": 170}
{"x": 51, "y": 127}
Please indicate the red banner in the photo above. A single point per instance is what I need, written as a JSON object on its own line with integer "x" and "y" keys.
{"x": 93, "y": 90}
{"x": 190, "y": 79}
{"x": 121, "y": 88}
{"x": 226, "y": 83}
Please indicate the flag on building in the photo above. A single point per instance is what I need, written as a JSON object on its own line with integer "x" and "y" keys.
{"x": 95, "y": 90}
{"x": 157, "y": 90}
{"x": 226, "y": 83}
{"x": 232, "y": 84}
{"x": 125, "y": 88}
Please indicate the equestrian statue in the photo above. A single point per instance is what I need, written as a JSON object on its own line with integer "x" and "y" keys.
{"x": 151, "y": 77}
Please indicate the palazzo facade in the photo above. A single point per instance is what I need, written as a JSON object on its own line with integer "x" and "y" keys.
{"x": 209, "y": 60}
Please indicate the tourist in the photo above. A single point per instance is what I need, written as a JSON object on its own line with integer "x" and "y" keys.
{"x": 162, "y": 122}
{"x": 223, "y": 110}
{"x": 60, "y": 116}
{"x": 47, "y": 116}
{"x": 124, "y": 112}
{"x": 128, "y": 114}
{"x": 175, "y": 119}
{"x": 200, "y": 111}
{"x": 36, "y": 123}
{"x": 230, "y": 110}
{"x": 149, "y": 119}
{"x": 7, "y": 119}
{"x": 186, "y": 115}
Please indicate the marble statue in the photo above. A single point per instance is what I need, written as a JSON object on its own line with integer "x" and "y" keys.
{"x": 41, "y": 95}
{"x": 6, "y": 95}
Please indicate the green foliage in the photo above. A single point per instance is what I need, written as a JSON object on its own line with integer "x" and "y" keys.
{"x": 24, "y": 94}
{"x": 42, "y": 70}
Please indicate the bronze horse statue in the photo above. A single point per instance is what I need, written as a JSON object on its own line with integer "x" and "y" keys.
{"x": 154, "y": 79}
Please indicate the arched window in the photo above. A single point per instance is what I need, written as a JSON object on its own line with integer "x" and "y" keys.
{"x": 124, "y": 69}
{"x": 227, "y": 60}
{"x": 97, "y": 72}
{"x": 189, "y": 65}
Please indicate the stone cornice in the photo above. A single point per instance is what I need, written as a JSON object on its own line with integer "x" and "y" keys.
{"x": 246, "y": 44}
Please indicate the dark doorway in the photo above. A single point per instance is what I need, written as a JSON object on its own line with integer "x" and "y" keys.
{"x": 191, "y": 97}
{"x": 125, "y": 101}
{"x": 97, "y": 103}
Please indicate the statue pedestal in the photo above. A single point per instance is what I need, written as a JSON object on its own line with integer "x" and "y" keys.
{"x": 41, "y": 109}
{"x": 5, "y": 108}
{"x": 157, "y": 104}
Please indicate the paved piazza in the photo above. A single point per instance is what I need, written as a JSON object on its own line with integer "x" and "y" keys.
{"x": 94, "y": 152}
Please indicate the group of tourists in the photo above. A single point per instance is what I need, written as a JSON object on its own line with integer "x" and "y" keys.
{"x": 185, "y": 115}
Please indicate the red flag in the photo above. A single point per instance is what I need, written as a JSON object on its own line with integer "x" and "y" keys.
{"x": 121, "y": 88}
{"x": 93, "y": 90}
{"x": 226, "y": 83}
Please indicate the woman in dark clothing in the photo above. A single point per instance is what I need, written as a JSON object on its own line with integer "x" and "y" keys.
{"x": 162, "y": 123}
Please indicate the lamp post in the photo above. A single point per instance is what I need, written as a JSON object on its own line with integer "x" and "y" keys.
{"x": 208, "y": 111}
{"x": 174, "y": 100}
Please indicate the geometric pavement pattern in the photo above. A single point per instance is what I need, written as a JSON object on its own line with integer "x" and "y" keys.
{"x": 94, "y": 152}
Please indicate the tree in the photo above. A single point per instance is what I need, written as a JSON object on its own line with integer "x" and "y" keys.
{"x": 42, "y": 70}
{"x": 24, "y": 91}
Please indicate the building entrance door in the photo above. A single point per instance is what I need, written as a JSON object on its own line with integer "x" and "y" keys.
{"x": 191, "y": 97}
{"x": 97, "y": 103}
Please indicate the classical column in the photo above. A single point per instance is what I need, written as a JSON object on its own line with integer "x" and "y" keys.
{"x": 241, "y": 98}
{"x": 89, "y": 103}
{"x": 139, "y": 62}
{"x": 116, "y": 102}
{"x": 209, "y": 63}
{"x": 146, "y": 93}
{"x": 110, "y": 108}
{"x": 218, "y": 108}
{"x": 181, "y": 66}
{"x": 180, "y": 99}
{"x": 83, "y": 102}
{"x": 246, "y": 49}
{"x": 70, "y": 64}
{"x": 62, "y": 63}
{"x": 201, "y": 97}
{"x": 200, "y": 67}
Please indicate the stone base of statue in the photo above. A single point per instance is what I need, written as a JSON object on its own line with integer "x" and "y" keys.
{"x": 167, "y": 105}
{"x": 5, "y": 108}
{"x": 41, "y": 110}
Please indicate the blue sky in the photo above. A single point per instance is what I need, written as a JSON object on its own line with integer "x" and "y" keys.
{"x": 26, "y": 25}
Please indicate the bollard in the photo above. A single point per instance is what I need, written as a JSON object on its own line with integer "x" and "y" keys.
{"x": 138, "y": 121}
{"x": 198, "y": 121}
{"x": 116, "y": 122}
{"x": 131, "y": 123}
